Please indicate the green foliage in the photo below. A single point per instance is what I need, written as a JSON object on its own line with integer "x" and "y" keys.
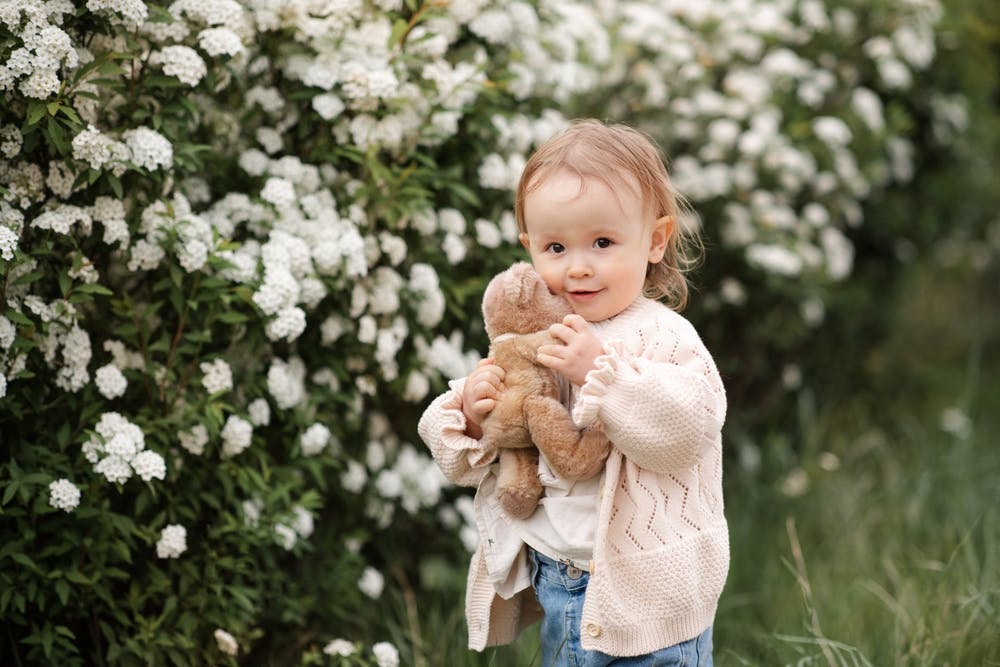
{"x": 324, "y": 233}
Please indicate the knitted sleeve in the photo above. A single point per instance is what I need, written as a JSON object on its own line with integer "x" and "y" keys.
{"x": 462, "y": 459}
{"x": 658, "y": 393}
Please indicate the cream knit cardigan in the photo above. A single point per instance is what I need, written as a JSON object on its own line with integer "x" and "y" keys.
{"x": 661, "y": 550}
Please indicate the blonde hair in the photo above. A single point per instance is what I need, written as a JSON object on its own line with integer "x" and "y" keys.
{"x": 623, "y": 158}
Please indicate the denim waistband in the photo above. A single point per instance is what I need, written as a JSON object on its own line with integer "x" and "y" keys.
{"x": 563, "y": 573}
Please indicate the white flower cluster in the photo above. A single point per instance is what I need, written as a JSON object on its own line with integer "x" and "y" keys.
{"x": 414, "y": 480}
{"x": 386, "y": 654}
{"x": 194, "y": 440}
{"x": 64, "y": 495}
{"x": 172, "y": 542}
{"x": 314, "y": 440}
{"x": 69, "y": 339}
{"x": 259, "y": 412}
{"x": 148, "y": 148}
{"x": 340, "y": 647}
{"x": 286, "y": 382}
{"x": 97, "y": 149}
{"x": 142, "y": 146}
{"x": 45, "y": 48}
{"x": 299, "y": 526}
{"x": 226, "y": 642}
{"x": 371, "y": 583}
{"x": 218, "y": 376}
{"x": 237, "y": 435}
{"x": 130, "y": 13}
{"x": 117, "y": 449}
{"x": 110, "y": 381}
{"x": 181, "y": 62}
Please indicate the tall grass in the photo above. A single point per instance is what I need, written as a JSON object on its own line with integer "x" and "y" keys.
{"x": 886, "y": 548}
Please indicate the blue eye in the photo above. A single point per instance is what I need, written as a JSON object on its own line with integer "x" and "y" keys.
{"x": 603, "y": 242}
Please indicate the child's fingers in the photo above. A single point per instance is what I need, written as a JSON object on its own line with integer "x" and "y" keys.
{"x": 554, "y": 351}
{"x": 549, "y": 360}
{"x": 488, "y": 388}
{"x": 561, "y": 332}
{"x": 483, "y": 407}
{"x": 576, "y": 323}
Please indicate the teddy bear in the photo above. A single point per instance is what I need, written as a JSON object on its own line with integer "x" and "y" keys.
{"x": 517, "y": 311}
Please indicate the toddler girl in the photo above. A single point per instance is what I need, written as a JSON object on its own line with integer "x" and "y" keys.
{"x": 626, "y": 568}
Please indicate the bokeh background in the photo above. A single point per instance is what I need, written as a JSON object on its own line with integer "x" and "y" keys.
{"x": 243, "y": 244}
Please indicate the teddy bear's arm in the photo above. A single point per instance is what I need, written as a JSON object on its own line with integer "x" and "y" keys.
{"x": 571, "y": 453}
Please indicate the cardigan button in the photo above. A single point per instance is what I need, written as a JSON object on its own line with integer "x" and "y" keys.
{"x": 593, "y": 629}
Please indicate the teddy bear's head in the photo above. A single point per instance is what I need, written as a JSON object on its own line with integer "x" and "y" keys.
{"x": 518, "y": 301}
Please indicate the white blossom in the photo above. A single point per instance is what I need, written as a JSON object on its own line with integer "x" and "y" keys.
{"x": 148, "y": 148}
{"x": 339, "y": 647}
{"x": 354, "y": 478}
{"x": 7, "y": 332}
{"x": 285, "y": 382}
{"x": 226, "y": 642}
{"x": 315, "y": 439}
{"x": 219, "y": 41}
{"x": 149, "y": 465}
{"x": 386, "y": 655}
{"x": 237, "y": 434}
{"x": 371, "y": 583}
{"x": 303, "y": 522}
{"x": 218, "y": 376}
{"x": 110, "y": 381}
{"x": 286, "y": 536}
{"x": 64, "y": 495}
{"x": 194, "y": 440}
{"x": 181, "y": 62}
{"x": 172, "y": 542}
{"x": 259, "y": 412}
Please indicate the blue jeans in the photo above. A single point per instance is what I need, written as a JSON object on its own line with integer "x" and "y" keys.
{"x": 560, "y": 589}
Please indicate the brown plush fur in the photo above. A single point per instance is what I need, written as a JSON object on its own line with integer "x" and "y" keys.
{"x": 529, "y": 413}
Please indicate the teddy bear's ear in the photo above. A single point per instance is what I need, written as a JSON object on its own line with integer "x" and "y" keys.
{"x": 521, "y": 281}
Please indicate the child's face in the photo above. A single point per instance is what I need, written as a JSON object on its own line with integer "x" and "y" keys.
{"x": 593, "y": 246}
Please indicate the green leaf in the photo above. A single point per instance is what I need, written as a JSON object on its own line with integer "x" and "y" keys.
{"x": 36, "y": 110}
{"x": 77, "y": 577}
{"x": 28, "y": 278}
{"x": 64, "y": 283}
{"x": 94, "y": 288}
{"x": 62, "y": 590}
{"x": 57, "y": 135}
{"x": 116, "y": 185}
{"x": 25, "y": 560}
{"x": 10, "y": 491}
{"x": 232, "y": 317}
{"x": 18, "y": 318}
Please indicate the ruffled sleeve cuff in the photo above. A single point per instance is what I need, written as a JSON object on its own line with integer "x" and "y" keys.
{"x": 452, "y": 424}
{"x": 588, "y": 401}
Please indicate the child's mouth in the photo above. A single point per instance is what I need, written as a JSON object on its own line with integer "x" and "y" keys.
{"x": 583, "y": 295}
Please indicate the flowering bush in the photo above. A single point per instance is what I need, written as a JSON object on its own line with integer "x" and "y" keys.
{"x": 242, "y": 244}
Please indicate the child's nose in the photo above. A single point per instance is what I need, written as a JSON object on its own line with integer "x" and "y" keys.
{"x": 579, "y": 268}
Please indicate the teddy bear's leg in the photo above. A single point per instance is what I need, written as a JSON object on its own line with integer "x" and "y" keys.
{"x": 518, "y": 486}
{"x": 572, "y": 453}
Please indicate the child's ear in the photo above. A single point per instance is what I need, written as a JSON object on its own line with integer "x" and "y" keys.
{"x": 523, "y": 238}
{"x": 663, "y": 229}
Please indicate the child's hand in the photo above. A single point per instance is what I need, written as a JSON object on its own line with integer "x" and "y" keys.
{"x": 575, "y": 357}
{"x": 480, "y": 394}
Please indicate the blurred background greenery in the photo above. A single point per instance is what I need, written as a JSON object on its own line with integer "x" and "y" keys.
{"x": 862, "y": 475}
